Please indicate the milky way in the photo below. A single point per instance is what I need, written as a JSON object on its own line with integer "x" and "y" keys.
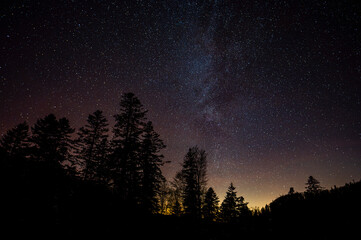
{"x": 271, "y": 91}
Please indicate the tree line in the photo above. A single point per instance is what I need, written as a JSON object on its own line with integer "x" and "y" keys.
{"x": 54, "y": 173}
{"x": 128, "y": 164}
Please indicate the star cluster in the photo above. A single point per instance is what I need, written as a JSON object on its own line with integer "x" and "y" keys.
{"x": 271, "y": 90}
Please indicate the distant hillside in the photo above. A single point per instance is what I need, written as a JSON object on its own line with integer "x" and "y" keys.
{"x": 320, "y": 214}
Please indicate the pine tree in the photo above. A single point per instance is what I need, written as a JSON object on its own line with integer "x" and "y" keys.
{"x": 66, "y": 144}
{"x": 14, "y": 151}
{"x": 194, "y": 175}
{"x": 313, "y": 186}
{"x": 242, "y": 207}
{"x": 126, "y": 144}
{"x": 234, "y": 208}
{"x": 150, "y": 163}
{"x": 229, "y": 211}
{"x": 16, "y": 141}
{"x": 177, "y": 194}
{"x": 210, "y": 207}
{"x": 92, "y": 146}
{"x": 52, "y": 140}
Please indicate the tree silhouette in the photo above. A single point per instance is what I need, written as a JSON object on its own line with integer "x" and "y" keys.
{"x": 126, "y": 144}
{"x": 16, "y": 141}
{"x": 14, "y": 155}
{"x": 242, "y": 207}
{"x": 177, "y": 194}
{"x": 233, "y": 208}
{"x": 92, "y": 146}
{"x": 194, "y": 176}
{"x": 210, "y": 207}
{"x": 229, "y": 205}
{"x": 150, "y": 162}
{"x": 312, "y": 186}
{"x": 52, "y": 140}
{"x": 36, "y": 189}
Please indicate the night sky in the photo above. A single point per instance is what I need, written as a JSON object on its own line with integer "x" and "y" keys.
{"x": 271, "y": 91}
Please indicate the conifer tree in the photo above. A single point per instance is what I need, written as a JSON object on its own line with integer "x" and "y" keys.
{"x": 14, "y": 150}
{"x": 150, "y": 162}
{"x": 16, "y": 141}
{"x": 194, "y": 175}
{"x": 242, "y": 207}
{"x": 229, "y": 211}
{"x": 313, "y": 185}
{"x": 233, "y": 208}
{"x": 177, "y": 194}
{"x": 92, "y": 146}
{"x": 126, "y": 144}
{"x": 52, "y": 140}
{"x": 210, "y": 207}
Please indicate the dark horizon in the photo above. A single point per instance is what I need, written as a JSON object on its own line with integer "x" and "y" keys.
{"x": 271, "y": 91}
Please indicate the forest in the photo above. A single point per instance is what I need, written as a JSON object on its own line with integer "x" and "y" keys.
{"x": 102, "y": 181}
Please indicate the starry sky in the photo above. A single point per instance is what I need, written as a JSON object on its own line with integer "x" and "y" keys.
{"x": 270, "y": 89}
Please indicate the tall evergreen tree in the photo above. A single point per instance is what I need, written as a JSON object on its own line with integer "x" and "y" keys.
{"x": 92, "y": 146}
{"x": 126, "y": 144}
{"x": 151, "y": 161}
{"x": 194, "y": 175}
{"x": 242, "y": 207}
{"x": 16, "y": 141}
{"x": 177, "y": 194}
{"x": 14, "y": 150}
{"x": 52, "y": 139}
{"x": 229, "y": 205}
{"x": 210, "y": 207}
{"x": 233, "y": 208}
